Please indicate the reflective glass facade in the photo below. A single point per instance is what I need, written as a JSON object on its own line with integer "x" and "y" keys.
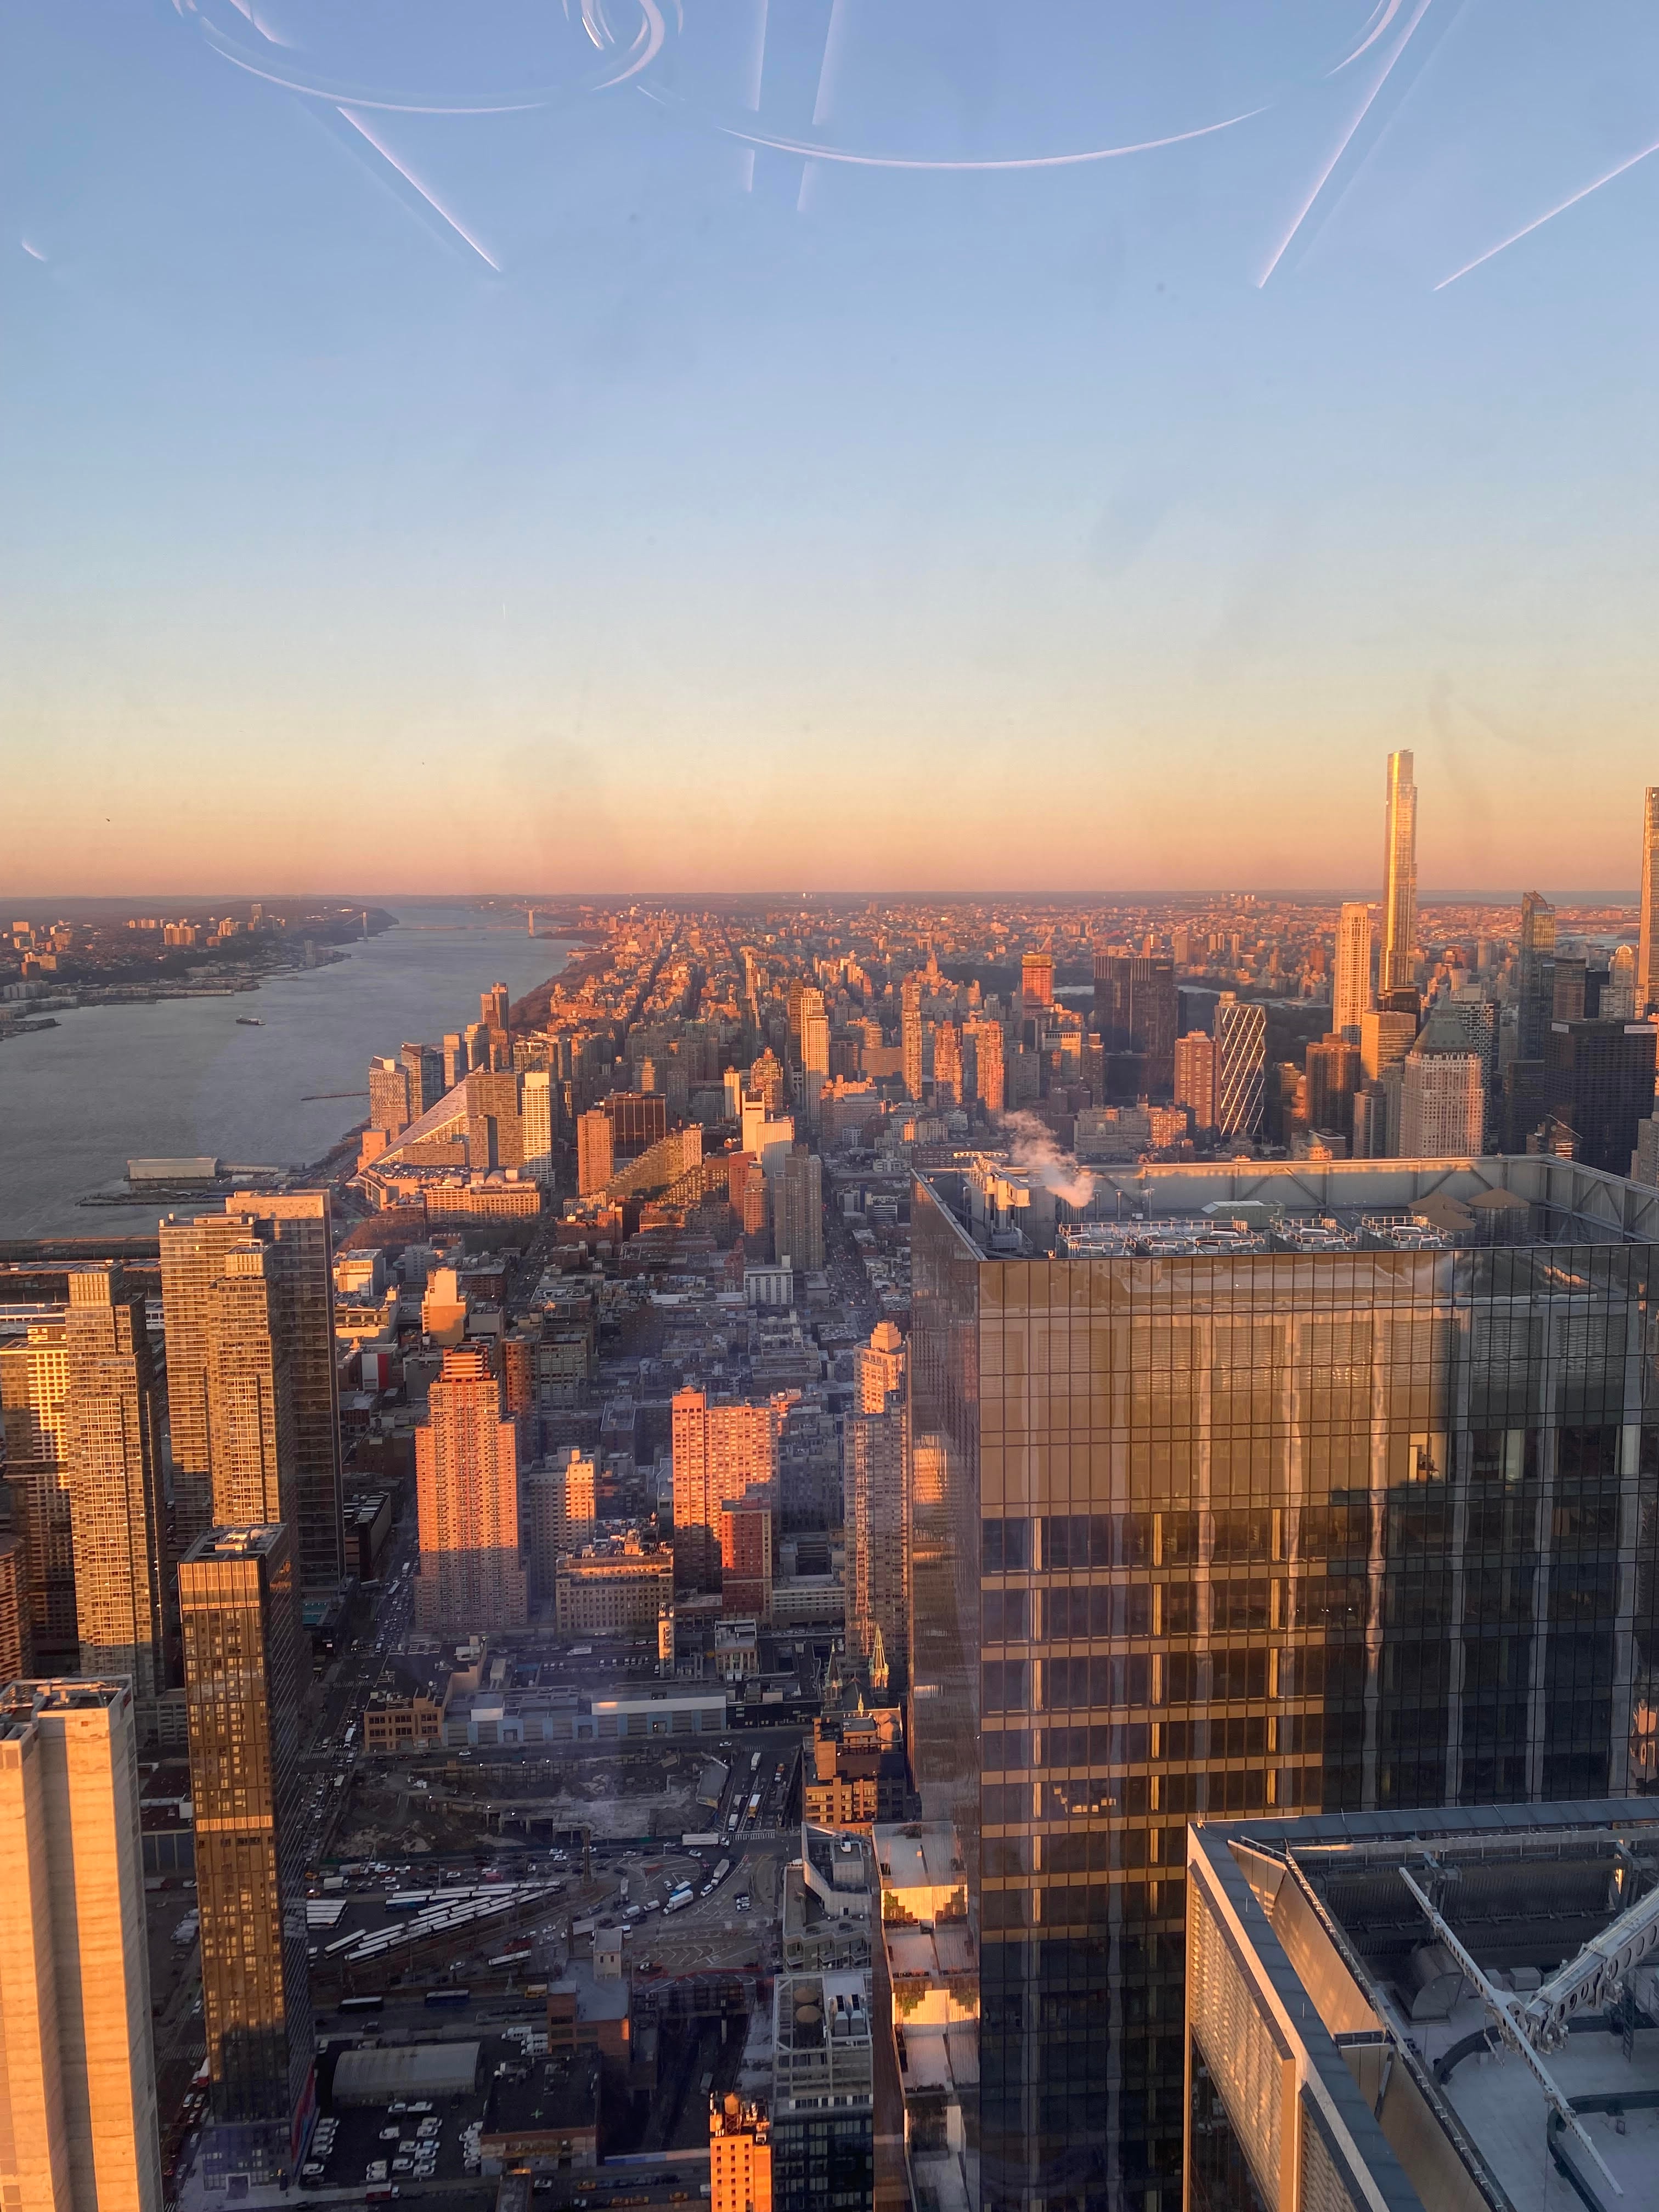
{"x": 1334, "y": 1529}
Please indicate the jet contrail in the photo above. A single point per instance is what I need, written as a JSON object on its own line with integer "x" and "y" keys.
{"x": 1324, "y": 176}
{"x": 409, "y": 178}
{"x": 1538, "y": 222}
{"x": 818, "y": 153}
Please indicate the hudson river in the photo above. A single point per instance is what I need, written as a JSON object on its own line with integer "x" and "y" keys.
{"x": 166, "y": 1081}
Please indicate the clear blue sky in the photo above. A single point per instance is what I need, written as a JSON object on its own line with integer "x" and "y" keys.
{"x": 571, "y": 492}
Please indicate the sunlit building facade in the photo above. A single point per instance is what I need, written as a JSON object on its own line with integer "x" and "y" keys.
{"x": 1302, "y": 1507}
{"x": 1396, "y": 968}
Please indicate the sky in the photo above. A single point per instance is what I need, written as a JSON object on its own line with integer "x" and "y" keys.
{"x": 825, "y": 444}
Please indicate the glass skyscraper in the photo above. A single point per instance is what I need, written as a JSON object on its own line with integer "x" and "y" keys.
{"x": 1266, "y": 1489}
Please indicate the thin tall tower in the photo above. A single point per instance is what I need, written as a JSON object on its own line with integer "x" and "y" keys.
{"x": 1647, "y": 950}
{"x": 1399, "y": 878}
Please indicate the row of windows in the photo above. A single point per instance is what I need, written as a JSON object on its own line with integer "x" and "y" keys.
{"x": 1580, "y": 1593}
{"x": 1584, "y": 1512}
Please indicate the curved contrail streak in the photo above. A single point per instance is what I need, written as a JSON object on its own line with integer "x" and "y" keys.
{"x": 815, "y": 152}
{"x": 647, "y": 45}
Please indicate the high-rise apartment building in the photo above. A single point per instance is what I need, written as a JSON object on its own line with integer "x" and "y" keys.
{"x": 1397, "y": 966}
{"x": 239, "y": 1618}
{"x": 492, "y": 1007}
{"x": 911, "y": 1034}
{"x": 739, "y": 2156}
{"x": 538, "y": 1118}
{"x": 1137, "y": 1010}
{"x": 253, "y": 1408}
{"x": 982, "y": 1061}
{"x": 1333, "y": 1520}
{"x": 117, "y": 1494}
{"x": 230, "y": 1384}
{"x": 423, "y": 1070}
{"x": 35, "y": 1408}
{"x": 726, "y": 1453}
{"x": 1443, "y": 1105}
{"x": 797, "y": 1221}
{"x": 1241, "y": 1066}
{"x": 1646, "y": 947}
{"x": 388, "y": 1097}
{"x": 1194, "y": 1076}
{"x": 1351, "y": 991}
{"x": 1534, "y": 977}
{"x": 78, "y": 2122}
{"x": 947, "y": 1064}
{"x": 560, "y": 1509}
{"x": 471, "y": 1575}
{"x": 595, "y": 1154}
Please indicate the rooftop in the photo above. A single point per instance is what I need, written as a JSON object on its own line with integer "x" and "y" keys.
{"x": 1470, "y": 1997}
{"x": 1232, "y": 1208}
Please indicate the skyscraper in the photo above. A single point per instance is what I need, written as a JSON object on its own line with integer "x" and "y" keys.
{"x": 423, "y": 1066}
{"x": 34, "y": 1407}
{"x": 78, "y": 2129}
{"x": 252, "y": 1389}
{"x": 230, "y": 1397}
{"x": 240, "y": 1617}
{"x": 911, "y": 1034}
{"x": 726, "y": 1453}
{"x": 388, "y": 1097}
{"x": 1599, "y": 1080}
{"x": 947, "y": 1064}
{"x": 1350, "y": 993}
{"x": 1647, "y": 948}
{"x": 1443, "y": 1105}
{"x": 874, "y": 1510}
{"x": 1329, "y": 1522}
{"x": 539, "y": 1124}
{"x": 1241, "y": 1066}
{"x": 1333, "y": 1071}
{"x": 1535, "y": 976}
{"x": 595, "y": 1156}
{"x": 1137, "y": 1010}
{"x": 1194, "y": 1076}
{"x": 1396, "y": 970}
{"x": 797, "y": 1224}
{"x": 981, "y": 1060}
{"x": 1037, "y": 979}
{"x": 117, "y": 1502}
{"x": 470, "y": 1574}
{"x": 560, "y": 1508}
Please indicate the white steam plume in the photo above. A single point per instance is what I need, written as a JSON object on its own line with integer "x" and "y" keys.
{"x": 1033, "y": 1150}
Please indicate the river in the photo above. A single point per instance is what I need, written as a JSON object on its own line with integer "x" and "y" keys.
{"x": 180, "y": 1077}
